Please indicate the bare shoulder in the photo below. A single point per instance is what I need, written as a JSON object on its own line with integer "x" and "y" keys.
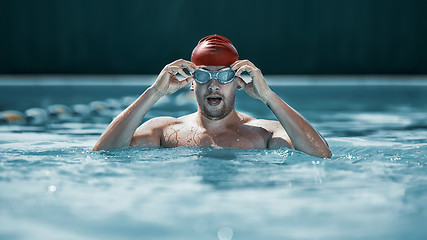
{"x": 161, "y": 123}
{"x": 269, "y": 125}
{"x": 186, "y": 118}
{"x": 157, "y": 122}
{"x": 279, "y": 136}
{"x": 149, "y": 133}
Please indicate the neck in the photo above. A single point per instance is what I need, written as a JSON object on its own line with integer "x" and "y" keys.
{"x": 232, "y": 118}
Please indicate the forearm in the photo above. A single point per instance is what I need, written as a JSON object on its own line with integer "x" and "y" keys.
{"x": 303, "y": 136}
{"x": 121, "y": 130}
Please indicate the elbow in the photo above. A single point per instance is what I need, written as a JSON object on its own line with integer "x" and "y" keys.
{"x": 99, "y": 147}
{"x": 326, "y": 154}
{"x": 321, "y": 153}
{"x": 96, "y": 148}
{"x": 102, "y": 146}
{"x": 325, "y": 151}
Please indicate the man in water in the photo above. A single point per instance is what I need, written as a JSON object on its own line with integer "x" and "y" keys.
{"x": 214, "y": 77}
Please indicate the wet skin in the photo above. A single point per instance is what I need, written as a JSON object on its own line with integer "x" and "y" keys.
{"x": 216, "y": 122}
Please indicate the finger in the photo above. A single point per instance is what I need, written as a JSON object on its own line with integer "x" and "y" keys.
{"x": 181, "y": 71}
{"x": 190, "y": 66}
{"x": 173, "y": 70}
{"x": 173, "y": 78}
{"x": 233, "y": 66}
{"x": 183, "y": 64}
{"x": 245, "y": 68}
{"x": 177, "y": 62}
{"x": 186, "y": 81}
{"x": 241, "y": 83}
{"x": 236, "y": 65}
{"x": 240, "y": 63}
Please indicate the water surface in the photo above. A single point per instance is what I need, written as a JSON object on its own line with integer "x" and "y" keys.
{"x": 374, "y": 187}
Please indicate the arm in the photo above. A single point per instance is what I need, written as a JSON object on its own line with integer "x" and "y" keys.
{"x": 303, "y": 136}
{"x": 121, "y": 130}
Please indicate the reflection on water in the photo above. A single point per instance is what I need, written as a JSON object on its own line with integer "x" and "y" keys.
{"x": 374, "y": 186}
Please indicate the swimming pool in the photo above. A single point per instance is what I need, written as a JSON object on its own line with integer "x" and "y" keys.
{"x": 374, "y": 186}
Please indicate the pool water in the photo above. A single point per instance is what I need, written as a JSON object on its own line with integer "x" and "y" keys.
{"x": 374, "y": 186}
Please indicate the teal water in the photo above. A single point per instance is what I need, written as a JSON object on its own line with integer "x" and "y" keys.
{"x": 52, "y": 186}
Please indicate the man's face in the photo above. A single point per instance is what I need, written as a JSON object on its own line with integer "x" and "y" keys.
{"x": 215, "y": 100}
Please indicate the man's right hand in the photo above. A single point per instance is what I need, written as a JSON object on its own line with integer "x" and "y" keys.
{"x": 167, "y": 82}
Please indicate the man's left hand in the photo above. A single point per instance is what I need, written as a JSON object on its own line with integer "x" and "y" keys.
{"x": 258, "y": 87}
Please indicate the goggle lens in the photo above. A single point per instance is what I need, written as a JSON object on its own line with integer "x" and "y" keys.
{"x": 223, "y": 76}
{"x": 201, "y": 76}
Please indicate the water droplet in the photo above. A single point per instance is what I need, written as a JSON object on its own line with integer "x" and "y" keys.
{"x": 238, "y": 139}
{"x": 225, "y": 233}
{"x": 52, "y": 188}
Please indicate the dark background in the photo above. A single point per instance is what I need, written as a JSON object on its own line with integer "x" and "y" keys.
{"x": 280, "y": 37}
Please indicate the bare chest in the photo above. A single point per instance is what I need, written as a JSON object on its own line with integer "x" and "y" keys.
{"x": 242, "y": 138}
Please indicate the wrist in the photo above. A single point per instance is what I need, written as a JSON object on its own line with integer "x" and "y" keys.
{"x": 267, "y": 97}
{"x": 157, "y": 94}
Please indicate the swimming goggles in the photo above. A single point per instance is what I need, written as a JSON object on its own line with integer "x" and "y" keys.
{"x": 223, "y": 76}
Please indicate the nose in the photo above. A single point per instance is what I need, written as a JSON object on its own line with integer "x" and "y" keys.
{"x": 213, "y": 85}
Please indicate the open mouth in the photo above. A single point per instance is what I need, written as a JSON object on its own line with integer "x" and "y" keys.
{"x": 214, "y": 101}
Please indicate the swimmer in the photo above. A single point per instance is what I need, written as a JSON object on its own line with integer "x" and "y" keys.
{"x": 215, "y": 75}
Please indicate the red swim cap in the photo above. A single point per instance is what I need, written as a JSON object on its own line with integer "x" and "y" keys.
{"x": 214, "y": 50}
